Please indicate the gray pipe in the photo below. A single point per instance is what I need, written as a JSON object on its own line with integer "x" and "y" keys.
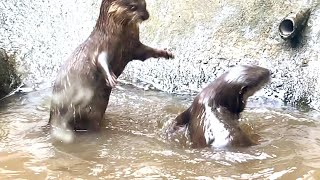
{"x": 293, "y": 23}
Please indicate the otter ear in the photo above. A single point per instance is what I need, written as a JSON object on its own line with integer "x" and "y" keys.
{"x": 241, "y": 100}
{"x": 243, "y": 90}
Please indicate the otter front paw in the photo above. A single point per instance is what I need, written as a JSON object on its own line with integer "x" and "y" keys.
{"x": 165, "y": 54}
{"x": 111, "y": 80}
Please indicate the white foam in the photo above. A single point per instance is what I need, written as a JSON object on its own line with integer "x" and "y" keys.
{"x": 64, "y": 135}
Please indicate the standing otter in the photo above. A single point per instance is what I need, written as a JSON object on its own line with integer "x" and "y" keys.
{"x": 83, "y": 85}
{"x": 212, "y": 119}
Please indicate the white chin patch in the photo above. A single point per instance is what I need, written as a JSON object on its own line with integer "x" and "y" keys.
{"x": 214, "y": 131}
{"x": 136, "y": 20}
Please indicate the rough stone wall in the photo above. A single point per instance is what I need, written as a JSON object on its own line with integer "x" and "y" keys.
{"x": 207, "y": 37}
{"x": 43, "y": 33}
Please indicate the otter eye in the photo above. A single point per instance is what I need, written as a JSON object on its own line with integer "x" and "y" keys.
{"x": 133, "y": 7}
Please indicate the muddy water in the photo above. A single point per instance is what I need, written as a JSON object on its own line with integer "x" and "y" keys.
{"x": 132, "y": 143}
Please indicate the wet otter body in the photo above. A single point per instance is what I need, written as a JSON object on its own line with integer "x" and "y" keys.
{"x": 212, "y": 119}
{"x": 83, "y": 85}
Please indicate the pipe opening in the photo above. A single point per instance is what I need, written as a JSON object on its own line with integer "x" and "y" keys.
{"x": 286, "y": 27}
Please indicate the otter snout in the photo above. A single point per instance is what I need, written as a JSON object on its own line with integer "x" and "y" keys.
{"x": 144, "y": 15}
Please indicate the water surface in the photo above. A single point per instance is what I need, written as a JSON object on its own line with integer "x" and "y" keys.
{"x": 132, "y": 142}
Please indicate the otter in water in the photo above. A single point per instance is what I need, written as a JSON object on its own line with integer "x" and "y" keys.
{"x": 83, "y": 85}
{"x": 212, "y": 119}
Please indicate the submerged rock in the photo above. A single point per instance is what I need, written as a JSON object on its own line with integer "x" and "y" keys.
{"x": 8, "y": 74}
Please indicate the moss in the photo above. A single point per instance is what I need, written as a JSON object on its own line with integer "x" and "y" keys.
{"x": 9, "y": 78}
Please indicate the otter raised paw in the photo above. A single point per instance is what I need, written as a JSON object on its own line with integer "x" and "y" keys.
{"x": 83, "y": 85}
{"x": 212, "y": 119}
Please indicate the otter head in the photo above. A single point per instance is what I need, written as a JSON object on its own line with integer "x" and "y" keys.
{"x": 125, "y": 11}
{"x": 233, "y": 88}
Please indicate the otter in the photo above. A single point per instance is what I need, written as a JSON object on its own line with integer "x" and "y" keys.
{"x": 82, "y": 87}
{"x": 212, "y": 119}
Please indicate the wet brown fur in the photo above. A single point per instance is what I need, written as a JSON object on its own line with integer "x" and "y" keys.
{"x": 82, "y": 88}
{"x": 226, "y": 100}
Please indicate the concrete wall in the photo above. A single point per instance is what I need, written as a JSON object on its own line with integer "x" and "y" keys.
{"x": 43, "y": 33}
{"x": 206, "y": 36}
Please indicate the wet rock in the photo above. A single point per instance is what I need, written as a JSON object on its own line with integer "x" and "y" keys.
{"x": 222, "y": 34}
{"x": 207, "y": 37}
{"x": 8, "y": 74}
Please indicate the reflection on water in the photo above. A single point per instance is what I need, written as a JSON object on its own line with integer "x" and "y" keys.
{"x": 132, "y": 143}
